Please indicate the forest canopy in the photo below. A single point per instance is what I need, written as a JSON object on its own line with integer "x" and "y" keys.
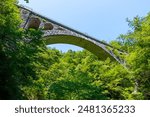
{"x": 30, "y": 70}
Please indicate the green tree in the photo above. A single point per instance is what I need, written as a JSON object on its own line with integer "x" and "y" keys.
{"x": 19, "y": 53}
{"x": 137, "y": 43}
{"x": 9, "y": 23}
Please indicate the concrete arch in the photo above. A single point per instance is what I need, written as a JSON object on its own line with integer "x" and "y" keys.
{"x": 78, "y": 41}
{"x": 55, "y": 33}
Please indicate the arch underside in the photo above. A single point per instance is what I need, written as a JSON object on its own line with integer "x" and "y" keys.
{"x": 86, "y": 44}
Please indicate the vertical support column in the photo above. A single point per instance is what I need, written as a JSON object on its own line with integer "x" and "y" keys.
{"x": 25, "y": 17}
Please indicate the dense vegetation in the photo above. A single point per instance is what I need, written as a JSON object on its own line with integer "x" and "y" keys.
{"x": 30, "y": 70}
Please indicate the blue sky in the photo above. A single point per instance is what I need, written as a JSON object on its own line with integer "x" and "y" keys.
{"x": 102, "y": 19}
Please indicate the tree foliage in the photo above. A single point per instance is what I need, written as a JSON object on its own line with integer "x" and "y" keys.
{"x": 137, "y": 42}
{"x": 19, "y": 51}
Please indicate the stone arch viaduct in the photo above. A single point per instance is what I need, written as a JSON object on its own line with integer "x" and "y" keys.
{"x": 55, "y": 32}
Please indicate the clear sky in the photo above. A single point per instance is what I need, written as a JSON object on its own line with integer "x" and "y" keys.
{"x": 102, "y": 19}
